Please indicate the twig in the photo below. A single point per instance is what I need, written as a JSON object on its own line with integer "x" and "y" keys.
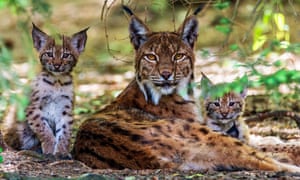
{"x": 107, "y": 37}
{"x": 236, "y": 6}
{"x": 254, "y": 11}
{"x": 276, "y": 113}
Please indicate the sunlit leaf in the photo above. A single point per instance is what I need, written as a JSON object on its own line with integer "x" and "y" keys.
{"x": 279, "y": 21}
{"x": 259, "y": 42}
{"x": 194, "y": 176}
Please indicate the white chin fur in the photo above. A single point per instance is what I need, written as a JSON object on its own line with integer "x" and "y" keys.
{"x": 154, "y": 93}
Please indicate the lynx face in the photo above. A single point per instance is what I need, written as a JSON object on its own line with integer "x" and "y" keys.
{"x": 58, "y": 59}
{"x": 164, "y": 61}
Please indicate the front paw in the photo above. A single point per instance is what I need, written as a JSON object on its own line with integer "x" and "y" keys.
{"x": 48, "y": 147}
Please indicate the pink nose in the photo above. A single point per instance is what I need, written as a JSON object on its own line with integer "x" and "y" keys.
{"x": 56, "y": 66}
{"x": 224, "y": 114}
{"x": 166, "y": 74}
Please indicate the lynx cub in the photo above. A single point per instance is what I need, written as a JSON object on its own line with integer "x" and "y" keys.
{"x": 223, "y": 114}
{"x": 49, "y": 116}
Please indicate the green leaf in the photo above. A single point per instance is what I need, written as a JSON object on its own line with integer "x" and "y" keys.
{"x": 224, "y": 21}
{"x": 222, "y": 5}
{"x": 225, "y": 29}
{"x": 234, "y": 47}
{"x": 277, "y": 63}
{"x": 159, "y": 5}
{"x": 205, "y": 53}
{"x": 1, "y": 159}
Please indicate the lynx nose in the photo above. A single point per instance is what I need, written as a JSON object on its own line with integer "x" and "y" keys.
{"x": 224, "y": 114}
{"x": 56, "y": 66}
{"x": 166, "y": 74}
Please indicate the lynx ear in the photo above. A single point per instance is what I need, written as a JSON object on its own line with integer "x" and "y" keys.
{"x": 39, "y": 38}
{"x": 137, "y": 29}
{"x": 244, "y": 92}
{"x": 189, "y": 31}
{"x": 78, "y": 40}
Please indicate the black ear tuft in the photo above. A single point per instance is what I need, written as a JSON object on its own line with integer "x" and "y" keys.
{"x": 127, "y": 10}
{"x": 189, "y": 31}
{"x": 78, "y": 40}
{"x": 198, "y": 9}
{"x": 39, "y": 38}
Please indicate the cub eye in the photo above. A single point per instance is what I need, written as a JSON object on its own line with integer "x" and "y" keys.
{"x": 49, "y": 54}
{"x": 231, "y": 103}
{"x": 65, "y": 55}
{"x": 179, "y": 57}
{"x": 150, "y": 57}
{"x": 217, "y": 104}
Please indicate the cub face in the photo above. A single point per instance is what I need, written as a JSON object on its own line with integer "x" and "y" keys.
{"x": 223, "y": 109}
{"x": 164, "y": 60}
{"x": 58, "y": 59}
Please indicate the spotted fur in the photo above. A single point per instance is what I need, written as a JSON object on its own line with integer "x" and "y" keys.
{"x": 223, "y": 114}
{"x": 138, "y": 131}
{"x": 49, "y": 115}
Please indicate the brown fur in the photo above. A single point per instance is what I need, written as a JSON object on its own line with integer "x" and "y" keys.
{"x": 139, "y": 132}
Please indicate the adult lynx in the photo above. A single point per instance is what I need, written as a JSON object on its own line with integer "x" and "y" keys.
{"x": 154, "y": 122}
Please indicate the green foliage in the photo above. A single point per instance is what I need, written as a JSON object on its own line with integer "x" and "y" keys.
{"x": 159, "y": 6}
{"x": 220, "y": 5}
{"x": 270, "y": 34}
{"x": 271, "y": 26}
{"x": 1, "y": 157}
{"x": 224, "y": 24}
{"x": 10, "y": 86}
{"x": 12, "y": 90}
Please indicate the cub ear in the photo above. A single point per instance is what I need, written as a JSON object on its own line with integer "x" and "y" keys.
{"x": 189, "y": 31}
{"x": 78, "y": 40}
{"x": 244, "y": 92}
{"x": 206, "y": 86}
{"x": 39, "y": 38}
{"x": 137, "y": 29}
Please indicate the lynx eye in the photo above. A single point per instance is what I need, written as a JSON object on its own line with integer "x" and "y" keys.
{"x": 66, "y": 55}
{"x": 150, "y": 57}
{"x": 217, "y": 104}
{"x": 179, "y": 57}
{"x": 231, "y": 103}
{"x": 49, "y": 54}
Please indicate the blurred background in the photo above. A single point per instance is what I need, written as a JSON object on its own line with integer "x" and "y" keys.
{"x": 245, "y": 43}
